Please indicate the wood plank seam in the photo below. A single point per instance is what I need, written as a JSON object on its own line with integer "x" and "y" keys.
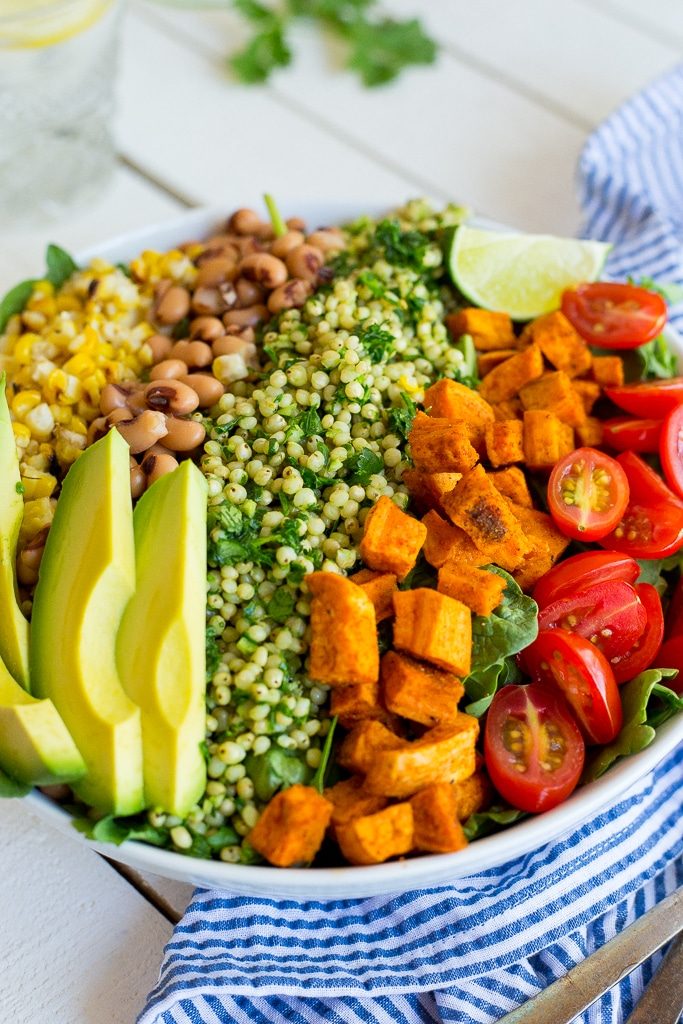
{"x": 147, "y": 891}
{"x": 152, "y": 179}
{"x": 648, "y": 28}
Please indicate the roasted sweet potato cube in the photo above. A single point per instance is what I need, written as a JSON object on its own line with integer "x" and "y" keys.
{"x": 356, "y": 702}
{"x": 441, "y": 446}
{"x": 588, "y": 391}
{"x": 450, "y": 400}
{"x": 343, "y": 631}
{"x": 480, "y": 590}
{"x": 291, "y": 829}
{"x": 435, "y": 820}
{"x": 472, "y": 795}
{"x": 506, "y": 380}
{"x": 364, "y": 743}
{"x": 560, "y": 343}
{"x": 590, "y": 433}
{"x": 489, "y": 330}
{"x": 546, "y": 439}
{"x": 443, "y": 754}
{"x": 608, "y": 371}
{"x": 504, "y": 442}
{"x": 419, "y": 692}
{"x": 391, "y": 538}
{"x": 554, "y": 392}
{"x": 487, "y": 361}
{"x": 434, "y": 627}
{"x": 478, "y": 508}
{"x": 375, "y": 838}
{"x": 380, "y": 587}
{"x": 446, "y": 542}
{"x": 510, "y": 409}
{"x": 350, "y": 800}
{"x": 427, "y": 489}
{"x": 512, "y": 483}
{"x": 547, "y": 544}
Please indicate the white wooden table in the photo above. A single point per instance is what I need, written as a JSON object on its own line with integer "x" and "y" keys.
{"x": 498, "y": 123}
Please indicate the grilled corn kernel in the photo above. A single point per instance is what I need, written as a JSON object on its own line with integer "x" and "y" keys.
{"x": 24, "y": 402}
{"x": 40, "y": 486}
{"x": 40, "y": 421}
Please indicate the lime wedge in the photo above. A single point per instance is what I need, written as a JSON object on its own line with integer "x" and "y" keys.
{"x": 522, "y": 275}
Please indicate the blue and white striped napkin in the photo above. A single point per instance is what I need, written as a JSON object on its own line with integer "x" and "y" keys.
{"x": 473, "y": 951}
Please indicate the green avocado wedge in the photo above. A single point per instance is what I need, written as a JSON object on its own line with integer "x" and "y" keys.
{"x": 161, "y": 645}
{"x": 87, "y": 577}
{"x": 35, "y": 746}
{"x": 13, "y": 625}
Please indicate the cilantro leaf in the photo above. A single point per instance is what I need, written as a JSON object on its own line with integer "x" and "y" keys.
{"x": 281, "y": 605}
{"x": 377, "y": 342}
{"x": 402, "y": 248}
{"x": 381, "y": 50}
{"x": 401, "y": 418}
{"x": 265, "y": 51}
{"x": 60, "y": 265}
{"x": 306, "y": 424}
{"x": 15, "y": 301}
{"x": 363, "y": 465}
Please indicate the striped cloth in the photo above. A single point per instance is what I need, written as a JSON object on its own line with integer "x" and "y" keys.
{"x": 473, "y": 951}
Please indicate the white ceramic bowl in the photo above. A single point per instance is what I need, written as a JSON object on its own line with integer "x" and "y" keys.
{"x": 348, "y": 882}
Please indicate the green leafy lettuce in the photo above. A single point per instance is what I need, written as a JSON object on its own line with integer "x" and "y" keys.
{"x": 493, "y": 820}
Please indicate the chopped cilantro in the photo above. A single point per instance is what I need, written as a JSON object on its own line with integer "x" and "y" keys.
{"x": 377, "y": 342}
{"x": 363, "y": 465}
{"x": 281, "y": 604}
{"x": 19, "y": 487}
{"x": 401, "y": 418}
{"x": 402, "y": 248}
{"x": 373, "y": 283}
{"x": 306, "y": 424}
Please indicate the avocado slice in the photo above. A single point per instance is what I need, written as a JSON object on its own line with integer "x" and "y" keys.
{"x": 13, "y": 625}
{"x": 161, "y": 643}
{"x": 35, "y": 746}
{"x": 87, "y": 577}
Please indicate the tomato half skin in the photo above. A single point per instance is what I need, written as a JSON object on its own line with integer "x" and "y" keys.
{"x": 577, "y": 481}
{"x": 614, "y": 315}
{"x": 585, "y": 678}
{"x": 674, "y": 613}
{"x": 626, "y": 434}
{"x": 671, "y": 450}
{"x": 629, "y": 664}
{"x": 649, "y": 398}
{"x": 670, "y": 655}
{"x": 583, "y": 570}
{"x": 540, "y": 713}
{"x": 646, "y": 487}
{"x": 652, "y": 526}
{"x": 610, "y": 615}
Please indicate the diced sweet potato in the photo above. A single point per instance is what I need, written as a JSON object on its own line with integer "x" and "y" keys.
{"x": 608, "y": 371}
{"x": 510, "y": 409}
{"x": 375, "y": 838}
{"x": 356, "y": 702}
{"x": 443, "y": 754}
{"x": 380, "y": 587}
{"x": 427, "y": 489}
{"x": 364, "y": 743}
{"x": 560, "y": 343}
{"x": 489, "y": 330}
{"x": 488, "y": 361}
{"x": 472, "y": 795}
{"x": 435, "y": 819}
{"x": 546, "y": 439}
{"x": 588, "y": 391}
{"x": 343, "y": 631}
{"x": 291, "y": 829}
{"x": 554, "y": 391}
{"x": 419, "y": 692}
{"x": 478, "y": 508}
{"x": 349, "y": 800}
{"x": 512, "y": 483}
{"x": 391, "y": 538}
{"x": 450, "y": 400}
{"x": 506, "y": 380}
{"x": 434, "y": 627}
{"x": 446, "y": 542}
{"x": 480, "y": 590}
{"x": 590, "y": 433}
{"x": 547, "y": 544}
{"x": 441, "y": 446}
{"x": 504, "y": 442}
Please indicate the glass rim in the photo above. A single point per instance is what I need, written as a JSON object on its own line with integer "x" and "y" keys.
{"x": 45, "y": 9}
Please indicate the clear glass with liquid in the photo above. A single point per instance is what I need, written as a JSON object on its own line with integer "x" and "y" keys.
{"x": 57, "y": 71}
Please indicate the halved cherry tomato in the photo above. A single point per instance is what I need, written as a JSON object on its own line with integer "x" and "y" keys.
{"x": 671, "y": 656}
{"x": 533, "y": 748}
{"x": 674, "y": 613}
{"x": 614, "y": 315}
{"x": 584, "y": 570}
{"x": 584, "y": 676}
{"x": 648, "y": 398}
{"x": 671, "y": 449}
{"x": 587, "y": 494}
{"x": 630, "y": 435}
{"x": 610, "y": 615}
{"x": 646, "y": 487}
{"x": 644, "y": 650}
{"x": 652, "y": 526}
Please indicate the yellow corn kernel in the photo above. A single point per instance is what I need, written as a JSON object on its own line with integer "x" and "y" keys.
{"x": 40, "y": 421}
{"x": 79, "y": 365}
{"x": 78, "y": 425}
{"x": 68, "y": 303}
{"x": 23, "y": 402}
{"x": 61, "y": 413}
{"x": 34, "y": 321}
{"x": 40, "y": 486}
{"x": 43, "y": 289}
{"x": 23, "y": 348}
{"x": 408, "y": 385}
{"x": 38, "y": 514}
{"x": 22, "y": 435}
{"x": 47, "y": 306}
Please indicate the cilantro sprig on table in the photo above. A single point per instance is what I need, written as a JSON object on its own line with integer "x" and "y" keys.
{"x": 378, "y": 48}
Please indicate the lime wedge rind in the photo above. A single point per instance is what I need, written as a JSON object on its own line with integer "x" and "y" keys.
{"x": 520, "y": 274}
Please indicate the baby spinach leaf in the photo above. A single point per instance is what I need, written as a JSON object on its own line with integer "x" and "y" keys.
{"x": 482, "y": 686}
{"x": 10, "y": 787}
{"x": 15, "y": 301}
{"x": 647, "y": 703}
{"x": 117, "y": 830}
{"x": 493, "y": 820}
{"x": 60, "y": 265}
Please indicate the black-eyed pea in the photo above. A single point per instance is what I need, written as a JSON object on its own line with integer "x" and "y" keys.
{"x": 205, "y": 328}
{"x": 159, "y": 346}
{"x": 97, "y": 429}
{"x": 249, "y": 317}
{"x": 194, "y": 354}
{"x": 113, "y": 396}
{"x": 171, "y": 396}
{"x": 169, "y": 369}
{"x": 305, "y": 262}
{"x": 213, "y": 301}
{"x": 157, "y": 464}
{"x": 265, "y": 269}
{"x": 144, "y": 431}
{"x": 245, "y": 333}
{"x": 206, "y": 387}
{"x": 138, "y": 480}
{"x": 285, "y": 243}
{"x": 183, "y": 435}
{"x": 229, "y": 345}
{"x": 290, "y": 295}
{"x": 296, "y": 224}
{"x": 216, "y": 271}
{"x": 173, "y": 305}
{"x": 249, "y": 293}
{"x": 119, "y": 416}
{"x": 244, "y": 221}
{"x": 327, "y": 240}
